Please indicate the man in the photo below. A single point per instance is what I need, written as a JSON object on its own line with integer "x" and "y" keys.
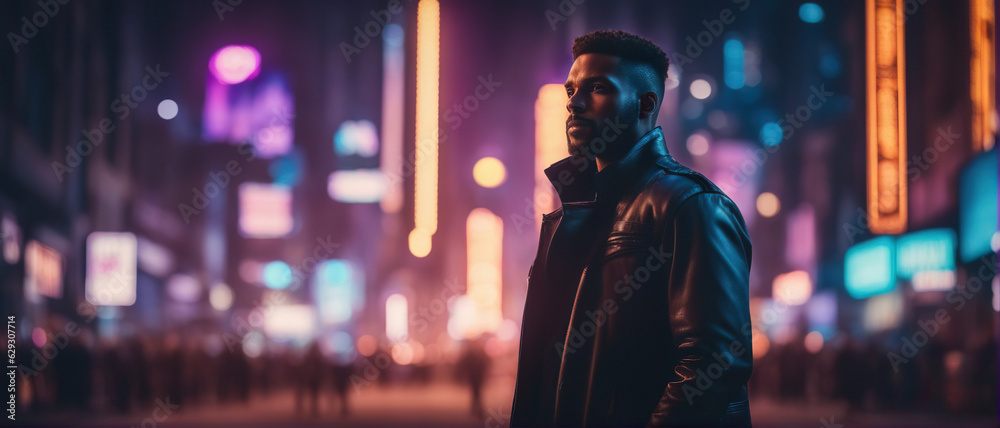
{"x": 637, "y": 309}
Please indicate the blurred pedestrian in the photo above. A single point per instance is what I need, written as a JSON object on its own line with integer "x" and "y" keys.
{"x": 342, "y": 372}
{"x": 310, "y": 376}
{"x": 472, "y": 366}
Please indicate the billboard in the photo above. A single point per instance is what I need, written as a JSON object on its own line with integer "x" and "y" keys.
{"x": 870, "y": 268}
{"x": 111, "y": 268}
{"x": 43, "y": 271}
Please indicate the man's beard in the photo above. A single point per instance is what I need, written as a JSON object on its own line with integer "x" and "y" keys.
{"x": 579, "y": 145}
{"x": 575, "y": 147}
{"x": 602, "y": 140}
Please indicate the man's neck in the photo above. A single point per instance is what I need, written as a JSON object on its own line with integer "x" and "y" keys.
{"x": 601, "y": 163}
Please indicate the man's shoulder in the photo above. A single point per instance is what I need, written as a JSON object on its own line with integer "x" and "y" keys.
{"x": 676, "y": 182}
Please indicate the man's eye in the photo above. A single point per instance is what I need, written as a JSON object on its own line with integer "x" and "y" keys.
{"x": 598, "y": 87}
{"x": 569, "y": 92}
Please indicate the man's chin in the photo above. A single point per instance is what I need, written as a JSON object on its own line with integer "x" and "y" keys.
{"x": 576, "y": 145}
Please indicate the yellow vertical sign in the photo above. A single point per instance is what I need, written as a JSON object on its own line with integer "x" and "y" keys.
{"x": 982, "y": 83}
{"x": 550, "y": 144}
{"x": 886, "y": 121}
{"x": 425, "y": 209}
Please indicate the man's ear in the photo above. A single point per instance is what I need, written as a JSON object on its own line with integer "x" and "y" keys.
{"x": 647, "y": 104}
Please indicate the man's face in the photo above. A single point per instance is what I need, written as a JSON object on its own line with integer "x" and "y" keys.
{"x": 598, "y": 95}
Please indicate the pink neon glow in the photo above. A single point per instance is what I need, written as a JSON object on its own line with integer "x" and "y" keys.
{"x": 234, "y": 64}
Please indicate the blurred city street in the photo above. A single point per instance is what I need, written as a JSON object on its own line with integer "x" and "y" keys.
{"x": 233, "y": 212}
{"x": 446, "y": 405}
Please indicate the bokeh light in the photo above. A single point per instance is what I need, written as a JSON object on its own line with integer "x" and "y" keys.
{"x": 697, "y": 144}
{"x": 420, "y": 243}
{"x": 814, "y": 342}
{"x": 489, "y": 172}
{"x": 771, "y": 134}
{"x": 367, "y": 345}
{"x": 221, "y": 297}
{"x": 768, "y": 204}
{"x": 811, "y": 13}
{"x": 167, "y": 109}
{"x": 235, "y": 63}
{"x": 792, "y": 288}
{"x": 701, "y": 89}
{"x": 277, "y": 275}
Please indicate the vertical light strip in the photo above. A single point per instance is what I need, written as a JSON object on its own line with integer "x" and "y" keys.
{"x": 886, "y": 124}
{"x": 396, "y": 318}
{"x": 393, "y": 77}
{"x": 426, "y": 159}
{"x": 983, "y": 73}
{"x": 484, "y": 235}
{"x": 550, "y": 144}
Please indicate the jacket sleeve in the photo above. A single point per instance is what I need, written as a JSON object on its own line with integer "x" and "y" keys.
{"x": 709, "y": 314}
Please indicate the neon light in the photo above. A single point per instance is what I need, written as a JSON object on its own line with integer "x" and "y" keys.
{"x": 336, "y": 291}
{"x": 356, "y": 138}
{"x": 11, "y": 239}
{"x": 977, "y": 206}
{"x": 356, "y": 186}
{"x": 43, "y": 271}
{"x": 886, "y": 124}
{"x": 982, "y": 85}
{"x": 550, "y": 144}
{"x": 296, "y": 322}
{"x": 732, "y": 64}
{"x": 234, "y": 64}
{"x": 112, "y": 258}
{"x": 427, "y": 132}
{"x": 393, "y": 90}
{"x": 396, "y": 318}
{"x": 927, "y": 251}
{"x": 265, "y": 210}
{"x": 870, "y": 268}
{"x": 484, "y": 234}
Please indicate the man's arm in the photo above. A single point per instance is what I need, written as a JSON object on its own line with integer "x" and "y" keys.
{"x": 708, "y": 292}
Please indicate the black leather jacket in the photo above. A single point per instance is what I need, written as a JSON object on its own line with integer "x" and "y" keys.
{"x": 637, "y": 308}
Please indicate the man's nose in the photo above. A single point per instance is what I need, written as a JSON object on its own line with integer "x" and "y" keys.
{"x": 575, "y": 104}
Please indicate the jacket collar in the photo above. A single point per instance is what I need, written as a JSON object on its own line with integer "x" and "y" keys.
{"x": 576, "y": 178}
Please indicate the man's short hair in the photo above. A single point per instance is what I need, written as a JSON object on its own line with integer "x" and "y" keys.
{"x": 628, "y": 46}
